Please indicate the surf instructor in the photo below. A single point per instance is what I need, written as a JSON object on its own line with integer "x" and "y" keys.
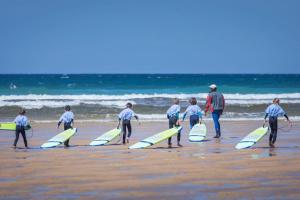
{"x": 215, "y": 102}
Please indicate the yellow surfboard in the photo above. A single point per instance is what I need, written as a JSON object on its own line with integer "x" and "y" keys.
{"x": 60, "y": 138}
{"x": 10, "y": 126}
{"x": 157, "y": 138}
{"x": 252, "y": 138}
{"x": 106, "y": 137}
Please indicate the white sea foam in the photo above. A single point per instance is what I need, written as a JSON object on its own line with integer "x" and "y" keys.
{"x": 236, "y": 96}
{"x": 38, "y": 104}
{"x": 53, "y": 101}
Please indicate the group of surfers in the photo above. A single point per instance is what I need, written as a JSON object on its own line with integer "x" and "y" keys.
{"x": 215, "y": 104}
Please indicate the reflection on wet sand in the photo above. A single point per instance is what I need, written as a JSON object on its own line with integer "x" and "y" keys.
{"x": 213, "y": 169}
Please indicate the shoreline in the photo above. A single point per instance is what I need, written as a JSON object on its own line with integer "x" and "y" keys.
{"x": 292, "y": 118}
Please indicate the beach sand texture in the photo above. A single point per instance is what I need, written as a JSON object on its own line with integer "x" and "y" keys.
{"x": 208, "y": 170}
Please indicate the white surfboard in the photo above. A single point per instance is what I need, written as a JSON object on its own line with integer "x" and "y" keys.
{"x": 157, "y": 138}
{"x": 198, "y": 133}
{"x": 252, "y": 138}
{"x": 106, "y": 137}
{"x": 60, "y": 138}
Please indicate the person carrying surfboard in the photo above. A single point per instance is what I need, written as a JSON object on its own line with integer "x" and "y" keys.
{"x": 125, "y": 116}
{"x": 274, "y": 111}
{"x": 215, "y": 102}
{"x": 21, "y": 122}
{"x": 194, "y": 111}
{"x": 68, "y": 119}
{"x": 173, "y": 117}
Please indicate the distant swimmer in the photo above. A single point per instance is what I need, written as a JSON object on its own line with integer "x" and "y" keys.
{"x": 21, "y": 122}
{"x": 274, "y": 111}
{"x": 215, "y": 102}
{"x": 173, "y": 117}
{"x": 68, "y": 119}
{"x": 12, "y": 86}
{"x": 194, "y": 111}
{"x": 125, "y": 116}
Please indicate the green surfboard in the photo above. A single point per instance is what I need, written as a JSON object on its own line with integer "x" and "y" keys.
{"x": 106, "y": 137}
{"x": 10, "y": 126}
{"x": 157, "y": 138}
{"x": 60, "y": 138}
{"x": 252, "y": 138}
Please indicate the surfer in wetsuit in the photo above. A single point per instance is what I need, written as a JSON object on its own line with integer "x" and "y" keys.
{"x": 125, "y": 116}
{"x": 68, "y": 119}
{"x": 215, "y": 102}
{"x": 173, "y": 116}
{"x": 194, "y": 111}
{"x": 273, "y": 111}
{"x": 21, "y": 122}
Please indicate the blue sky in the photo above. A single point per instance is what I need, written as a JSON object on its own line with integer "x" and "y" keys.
{"x": 149, "y": 36}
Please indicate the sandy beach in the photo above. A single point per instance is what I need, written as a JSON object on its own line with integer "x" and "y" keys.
{"x": 93, "y": 64}
{"x": 208, "y": 170}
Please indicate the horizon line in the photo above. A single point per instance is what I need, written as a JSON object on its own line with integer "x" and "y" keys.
{"x": 149, "y": 73}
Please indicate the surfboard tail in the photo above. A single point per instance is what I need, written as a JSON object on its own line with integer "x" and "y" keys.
{"x": 244, "y": 145}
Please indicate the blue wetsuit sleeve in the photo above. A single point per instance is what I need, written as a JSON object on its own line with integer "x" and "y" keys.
{"x": 281, "y": 111}
{"x": 184, "y": 115}
{"x": 121, "y": 115}
{"x": 15, "y": 121}
{"x": 61, "y": 118}
{"x": 200, "y": 114}
{"x": 136, "y": 117}
{"x": 26, "y": 121}
{"x": 266, "y": 115}
{"x": 267, "y": 111}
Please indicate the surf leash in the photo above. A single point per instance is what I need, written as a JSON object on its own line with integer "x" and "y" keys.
{"x": 286, "y": 128}
{"x": 31, "y": 133}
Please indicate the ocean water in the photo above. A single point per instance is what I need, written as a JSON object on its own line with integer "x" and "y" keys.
{"x": 102, "y": 96}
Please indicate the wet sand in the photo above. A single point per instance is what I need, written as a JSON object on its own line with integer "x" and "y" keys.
{"x": 208, "y": 170}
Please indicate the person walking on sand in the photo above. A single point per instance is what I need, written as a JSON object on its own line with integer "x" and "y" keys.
{"x": 273, "y": 111}
{"x": 215, "y": 102}
{"x": 125, "y": 116}
{"x": 173, "y": 117}
{"x": 68, "y": 119}
{"x": 21, "y": 122}
{"x": 194, "y": 111}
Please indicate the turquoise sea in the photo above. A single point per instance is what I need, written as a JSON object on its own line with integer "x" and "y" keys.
{"x": 102, "y": 96}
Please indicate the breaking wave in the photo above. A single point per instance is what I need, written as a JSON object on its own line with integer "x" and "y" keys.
{"x": 33, "y": 101}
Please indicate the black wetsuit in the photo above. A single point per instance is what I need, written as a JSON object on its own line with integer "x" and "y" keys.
{"x": 126, "y": 125}
{"x": 66, "y": 127}
{"x": 20, "y": 129}
{"x": 172, "y": 124}
{"x": 273, "y": 122}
